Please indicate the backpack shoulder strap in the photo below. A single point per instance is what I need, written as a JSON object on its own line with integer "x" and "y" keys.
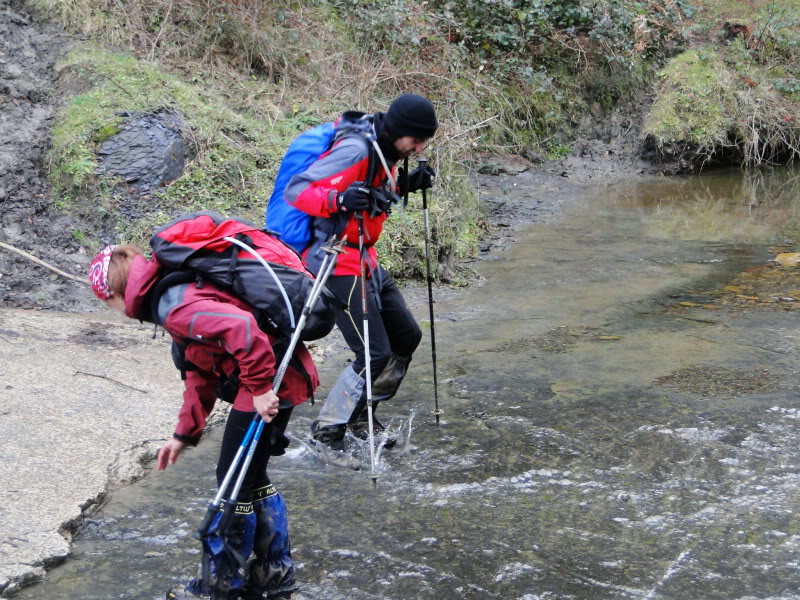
{"x": 363, "y": 129}
{"x": 170, "y": 280}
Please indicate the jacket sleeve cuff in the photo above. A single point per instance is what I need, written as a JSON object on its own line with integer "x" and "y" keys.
{"x": 332, "y": 206}
{"x": 260, "y": 390}
{"x": 192, "y": 441}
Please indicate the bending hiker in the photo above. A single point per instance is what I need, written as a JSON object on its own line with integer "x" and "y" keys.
{"x": 355, "y": 179}
{"x": 218, "y": 345}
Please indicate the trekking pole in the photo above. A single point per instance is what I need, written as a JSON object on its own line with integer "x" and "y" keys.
{"x": 367, "y": 359}
{"x": 436, "y": 411}
{"x": 253, "y": 433}
{"x": 405, "y": 182}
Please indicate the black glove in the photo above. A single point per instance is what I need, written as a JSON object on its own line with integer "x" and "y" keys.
{"x": 382, "y": 202}
{"x": 354, "y": 199}
{"x": 420, "y": 178}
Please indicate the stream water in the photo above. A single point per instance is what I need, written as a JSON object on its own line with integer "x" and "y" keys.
{"x": 610, "y": 429}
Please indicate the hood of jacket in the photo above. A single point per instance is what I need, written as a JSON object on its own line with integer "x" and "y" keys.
{"x": 142, "y": 278}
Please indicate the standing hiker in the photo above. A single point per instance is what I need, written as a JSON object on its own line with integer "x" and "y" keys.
{"x": 218, "y": 345}
{"x": 355, "y": 179}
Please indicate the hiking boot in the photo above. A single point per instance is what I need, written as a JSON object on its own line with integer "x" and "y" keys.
{"x": 329, "y": 445}
{"x": 360, "y": 429}
{"x": 331, "y": 436}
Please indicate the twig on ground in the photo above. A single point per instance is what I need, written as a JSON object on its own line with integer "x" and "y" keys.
{"x": 130, "y": 387}
{"x": 42, "y": 263}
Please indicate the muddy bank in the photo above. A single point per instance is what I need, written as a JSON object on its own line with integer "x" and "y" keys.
{"x": 29, "y": 219}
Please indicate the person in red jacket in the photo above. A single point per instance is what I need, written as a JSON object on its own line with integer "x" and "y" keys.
{"x": 357, "y": 178}
{"x": 217, "y": 341}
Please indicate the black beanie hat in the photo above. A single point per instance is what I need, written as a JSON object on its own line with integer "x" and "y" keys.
{"x": 411, "y": 115}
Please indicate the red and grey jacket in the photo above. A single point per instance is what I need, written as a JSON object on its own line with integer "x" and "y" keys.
{"x": 315, "y": 190}
{"x": 221, "y": 337}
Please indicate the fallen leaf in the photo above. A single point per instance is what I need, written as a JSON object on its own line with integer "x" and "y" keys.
{"x": 692, "y": 304}
{"x": 736, "y": 289}
{"x": 788, "y": 259}
{"x": 609, "y": 338}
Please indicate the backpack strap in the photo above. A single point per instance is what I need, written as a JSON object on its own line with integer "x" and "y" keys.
{"x": 363, "y": 130}
{"x": 178, "y": 352}
{"x": 170, "y": 280}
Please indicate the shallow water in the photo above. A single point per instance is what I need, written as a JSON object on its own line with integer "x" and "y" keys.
{"x": 599, "y": 440}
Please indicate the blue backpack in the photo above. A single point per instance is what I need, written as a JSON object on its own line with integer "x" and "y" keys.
{"x": 292, "y": 224}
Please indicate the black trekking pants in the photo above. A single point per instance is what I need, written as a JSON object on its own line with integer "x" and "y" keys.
{"x": 273, "y": 442}
{"x": 393, "y": 331}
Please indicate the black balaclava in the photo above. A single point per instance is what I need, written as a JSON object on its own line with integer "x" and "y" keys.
{"x": 385, "y": 142}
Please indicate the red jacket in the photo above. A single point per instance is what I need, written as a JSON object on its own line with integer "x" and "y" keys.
{"x": 220, "y": 333}
{"x": 314, "y": 192}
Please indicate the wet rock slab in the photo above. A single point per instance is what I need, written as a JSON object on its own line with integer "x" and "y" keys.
{"x": 78, "y": 415}
{"x": 147, "y": 153}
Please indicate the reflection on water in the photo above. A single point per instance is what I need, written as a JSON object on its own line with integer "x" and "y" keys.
{"x": 594, "y": 445}
{"x": 721, "y": 205}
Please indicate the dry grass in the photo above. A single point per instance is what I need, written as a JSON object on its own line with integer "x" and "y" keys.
{"x": 289, "y": 66}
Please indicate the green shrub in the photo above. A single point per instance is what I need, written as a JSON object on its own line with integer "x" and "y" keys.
{"x": 708, "y": 106}
{"x": 695, "y": 102}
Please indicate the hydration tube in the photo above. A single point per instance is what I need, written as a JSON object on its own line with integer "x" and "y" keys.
{"x": 271, "y": 272}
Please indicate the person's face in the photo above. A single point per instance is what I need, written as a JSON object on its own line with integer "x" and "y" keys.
{"x": 117, "y": 303}
{"x": 408, "y": 145}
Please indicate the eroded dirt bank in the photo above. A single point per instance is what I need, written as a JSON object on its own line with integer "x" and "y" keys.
{"x": 29, "y": 98}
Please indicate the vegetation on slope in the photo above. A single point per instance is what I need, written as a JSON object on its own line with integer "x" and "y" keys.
{"x": 736, "y": 95}
{"x": 506, "y": 76}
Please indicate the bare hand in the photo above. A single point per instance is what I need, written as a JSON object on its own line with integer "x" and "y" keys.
{"x": 169, "y": 453}
{"x": 266, "y": 405}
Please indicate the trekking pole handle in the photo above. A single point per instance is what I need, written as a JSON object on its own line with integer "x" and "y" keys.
{"x": 423, "y": 162}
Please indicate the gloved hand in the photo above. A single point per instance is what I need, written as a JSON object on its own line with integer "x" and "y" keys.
{"x": 354, "y": 199}
{"x": 420, "y": 178}
{"x": 381, "y": 202}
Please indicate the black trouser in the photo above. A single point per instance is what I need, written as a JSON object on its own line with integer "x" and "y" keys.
{"x": 393, "y": 331}
{"x": 392, "y": 327}
{"x": 272, "y": 443}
